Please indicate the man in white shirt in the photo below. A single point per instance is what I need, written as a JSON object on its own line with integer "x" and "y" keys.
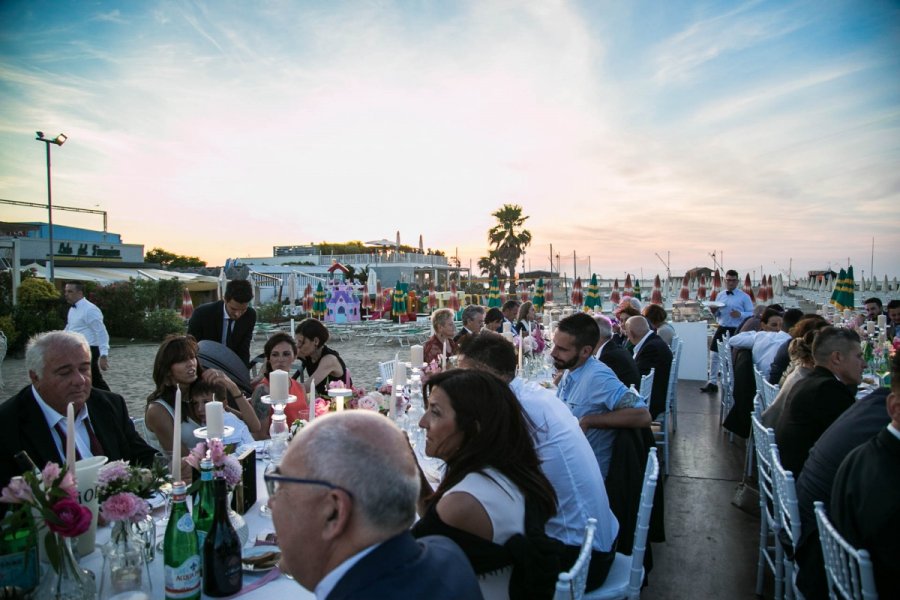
{"x": 737, "y": 307}
{"x": 764, "y": 343}
{"x": 85, "y": 318}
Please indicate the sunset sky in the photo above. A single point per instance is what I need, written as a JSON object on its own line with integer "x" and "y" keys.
{"x": 764, "y": 130}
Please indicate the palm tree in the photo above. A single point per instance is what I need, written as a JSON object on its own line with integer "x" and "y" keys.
{"x": 489, "y": 265}
{"x": 509, "y": 238}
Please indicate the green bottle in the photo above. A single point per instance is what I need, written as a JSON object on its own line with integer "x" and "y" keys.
{"x": 181, "y": 554}
{"x": 19, "y": 556}
{"x": 204, "y": 502}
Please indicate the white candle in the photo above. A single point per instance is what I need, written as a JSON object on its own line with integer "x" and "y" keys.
{"x": 546, "y": 318}
{"x": 399, "y": 376}
{"x": 870, "y": 327}
{"x": 416, "y": 355}
{"x": 292, "y": 326}
{"x": 521, "y": 343}
{"x": 339, "y": 403}
{"x": 445, "y": 349}
{"x": 312, "y": 399}
{"x": 215, "y": 420}
{"x": 507, "y": 327}
{"x": 70, "y": 438}
{"x": 882, "y": 321}
{"x": 176, "y": 438}
{"x": 278, "y": 386}
{"x": 509, "y": 336}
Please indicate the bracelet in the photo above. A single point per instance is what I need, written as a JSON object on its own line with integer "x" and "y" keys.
{"x": 230, "y": 397}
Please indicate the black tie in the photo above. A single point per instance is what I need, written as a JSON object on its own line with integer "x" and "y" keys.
{"x": 229, "y": 327}
{"x": 730, "y": 293}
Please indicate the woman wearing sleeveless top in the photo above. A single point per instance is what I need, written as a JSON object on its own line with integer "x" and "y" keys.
{"x": 319, "y": 361}
{"x": 475, "y": 424}
{"x": 280, "y": 352}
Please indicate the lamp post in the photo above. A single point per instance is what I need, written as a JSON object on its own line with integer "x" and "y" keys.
{"x": 59, "y": 141}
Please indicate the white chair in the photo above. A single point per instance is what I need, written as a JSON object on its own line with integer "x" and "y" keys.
{"x": 788, "y": 514}
{"x": 386, "y": 369}
{"x": 770, "y": 392}
{"x": 570, "y": 585}
{"x": 141, "y": 427}
{"x": 627, "y": 572}
{"x": 770, "y": 552}
{"x": 727, "y": 375}
{"x": 647, "y": 385}
{"x": 677, "y": 347}
{"x": 849, "y": 571}
{"x": 660, "y": 427}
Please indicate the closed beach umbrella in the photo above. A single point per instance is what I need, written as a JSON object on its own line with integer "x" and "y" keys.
{"x": 548, "y": 293}
{"x": 716, "y": 284}
{"x": 523, "y": 292}
{"x": 432, "y": 297}
{"x": 685, "y": 293}
{"x": 577, "y": 294}
{"x": 412, "y": 303}
{"x": 748, "y": 287}
{"x": 592, "y": 301}
{"x": 637, "y": 289}
{"x": 849, "y": 289}
{"x": 770, "y": 292}
{"x": 494, "y": 294}
{"x": 292, "y": 291}
{"x": 538, "y": 299}
{"x": 701, "y": 290}
{"x": 222, "y": 283}
{"x": 308, "y": 298}
{"x": 319, "y": 307}
{"x": 379, "y": 298}
{"x": 502, "y": 293}
{"x": 656, "y": 293}
{"x": 762, "y": 294}
{"x": 836, "y": 291}
{"x": 187, "y": 305}
{"x": 398, "y": 301}
{"x": 779, "y": 285}
{"x": 614, "y": 296}
{"x": 454, "y": 297}
{"x": 365, "y": 300}
{"x": 629, "y": 290}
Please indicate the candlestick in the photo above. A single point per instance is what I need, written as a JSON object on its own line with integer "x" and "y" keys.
{"x": 416, "y": 355}
{"x": 70, "y": 437}
{"x": 176, "y": 438}
{"x": 278, "y": 386}
{"x": 312, "y": 399}
{"x": 399, "y": 376}
{"x": 215, "y": 420}
{"x": 882, "y": 321}
{"x": 445, "y": 348}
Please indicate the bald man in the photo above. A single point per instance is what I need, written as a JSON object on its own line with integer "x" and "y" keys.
{"x": 651, "y": 352}
{"x": 353, "y": 478}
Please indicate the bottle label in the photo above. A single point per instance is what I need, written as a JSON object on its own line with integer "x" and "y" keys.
{"x": 20, "y": 569}
{"x": 185, "y": 523}
{"x": 184, "y": 581}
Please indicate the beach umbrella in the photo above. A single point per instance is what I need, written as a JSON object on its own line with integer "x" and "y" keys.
{"x": 656, "y": 294}
{"x": 716, "y": 285}
{"x": 454, "y": 297}
{"x": 614, "y": 296}
{"x": 187, "y": 305}
{"x": 398, "y": 303}
{"x": 762, "y": 294}
{"x": 379, "y": 298}
{"x": 432, "y": 297}
{"x": 292, "y": 291}
{"x": 502, "y": 293}
{"x": 770, "y": 292}
{"x": 637, "y": 289}
{"x": 372, "y": 282}
{"x": 387, "y": 297}
{"x": 548, "y": 293}
{"x": 685, "y": 293}
{"x": 412, "y": 303}
{"x": 538, "y": 299}
{"x": 523, "y": 293}
{"x": 308, "y": 298}
{"x": 779, "y": 285}
{"x": 849, "y": 289}
{"x": 494, "y": 294}
{"x": 222, "y": 282}
{"x": 701, "y": 290}
{"x": 629, "y": 290}
{"x": 319, "y": 308}
{"x": 748, "y": 288}
{"x": 592, "y": 301}
{"x": 577, "y": 295}
{"x": 836, "y": 291}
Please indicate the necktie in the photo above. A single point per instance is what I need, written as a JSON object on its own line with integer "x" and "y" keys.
{"x": 730, "y": 293}
{"x": 229, "y": 329}
{"x": 96, "y": 446}
{"x": 62, "y": 443}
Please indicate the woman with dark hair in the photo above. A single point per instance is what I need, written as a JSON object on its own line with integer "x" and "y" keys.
{"x": 657, "y": 316}
{"x": 493, "y": 319}
{"x": 319, "y": 361}
{"x": 474, "y": 423}
{"x": 280, "y": 352}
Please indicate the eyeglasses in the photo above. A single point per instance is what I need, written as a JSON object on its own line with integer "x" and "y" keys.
{"x": 275, "y": 479}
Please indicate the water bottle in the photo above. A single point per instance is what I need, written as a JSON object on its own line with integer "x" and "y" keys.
{"x": 279, "y": 434}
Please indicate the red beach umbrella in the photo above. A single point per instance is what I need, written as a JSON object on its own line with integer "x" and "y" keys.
{"x": 656, "y": 294}
{"x": 187, "y": 305}
{"x": 379, "y": 298}
{"x": 685, "y": 293}
{"x": 748, "y": 287}
{"x": 432, "y": 298}
{"x": 614, "y": 296}
{"x": 366, "y": 301}
{"x": 717, "y": 285}
{"x": 523, "y": 293}
{"x": 548, "y": 292}
{"x": 502, "y": 293}
{"x": 308, "y": 298}
{"x": 577, "y": 295}
{"x": 701, "y": 291}
{"x": 629, "y": 290}
{"x": 762, "y": 294}
{"x": 454, "y": 298}
{"x": 769, "y": 291}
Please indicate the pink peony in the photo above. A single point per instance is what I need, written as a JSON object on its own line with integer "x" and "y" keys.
{"x": 115, "y": 471}
{"x": 322, "y": 407}
{"x": 196, "y": 454}
{"x": 216, "y": 451}
{"x": 17, "y": 492}
{"x": 232, "y": 471}
{"x": 49, "y": 474}
{"x": 69, "y": 485}
{"x": 73, "y": 518}
{"x": 124, "y": 506}
{"x": 370, "y": 401}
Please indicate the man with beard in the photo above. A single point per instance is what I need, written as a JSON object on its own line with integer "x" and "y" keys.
{"x": 591, "y": 390}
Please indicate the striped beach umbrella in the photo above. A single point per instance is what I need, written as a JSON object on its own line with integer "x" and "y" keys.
{"x": 454, "y": 297}
{"x": 538, "y": 299}
{"x": 629, "y": 289}
{"x": 494, "y": 294}
{"x": 637, "y": 289}
{"x": 701, "y": 291}
{"x": 577, "y": 294}
{"x": 685, "y": 293}
{"x": 379, "y": 298}
{"x": 836, "y": 291}
{"x": 398, "y": 301}
{"x": 592, "y": 300}
{"x": 548, "y": 293}
{"x": 762, "y": 293}
{"x": 748, "y": 287}
{"x": 187, "y": 305}
{"x": 365, "y": 300}
{"x": 656, "y": 293}
{"x": 770, "y": 290}
{"x": 716, "y": 285}
{"x": 614, "y": 296}
{"x": 412, "y": 304}
{"x": 523, "y": 293}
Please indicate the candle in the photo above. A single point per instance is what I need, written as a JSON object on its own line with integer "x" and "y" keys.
{"x": 416, "y": 356}
{"x": 399, "y": 376}
{"x": 176, "y": 438}
{"x": 509, "y": 337}
{"x": 445, "y": 348}
{"x": 870, "y": 327}
{"x": 312, "y": 399}
{"x": 70, "y": 438}
{"x": 339, "y": 403}
{"x": 521, "y": 343}
{"x": 507, "y": 327}
{"x": 546, "y": 318}
{"x": 292, "y": 326}
{"x": 882, "y": 321}
{"x": 215, "y": 420}
{"x": 278, "y": 386}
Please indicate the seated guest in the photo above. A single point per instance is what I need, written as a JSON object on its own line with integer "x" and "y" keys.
{"x": 472, "y": 322}
{"x": 802, "y": 365}
{"x": 591, "y": 390}
{"x": 566, "y": 459}
{"x": 754, "y": 321}
{"x": 34, "y": 420}
{"x": 782, "y": 359}
{"x": 527, "y": 325}
{"x": 319, "y": 361}
{"x": 441, "y": 343}
{"x": 203, "y": 392}
{"x": 493, "y": 319}
{"x": 614, "y": 356}
{"x": 764, "y": 343}
{"x": 816, "y": 401}
{"x": 229, "y": 321}
{"x": 651, "y": 354}
{"x": 510, "y": 311}
{"x": 622, "y": 313}
{"x": 657, "y": 315}
{"x": 866, "y": 495}
{"x": 893, "y": 310}
{"x": 176, "y": 367}
{"x": 343, "y": 499}
{"x": 475, "y": 425}
{"x": 874, "y": 308}
{"x": 280, "y": 352}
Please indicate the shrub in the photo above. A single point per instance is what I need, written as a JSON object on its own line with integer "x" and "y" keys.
{"x": 35, "y": 316}
{"x": 8, "y": 327}
{"x": 122, "y": 313}
{"x": 269, "y": 313}
{"x": 34, "y": 290}
{"x": 160, "y": 323}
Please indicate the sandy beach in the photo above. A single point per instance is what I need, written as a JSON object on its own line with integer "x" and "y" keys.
{"x": 131, "y": 365}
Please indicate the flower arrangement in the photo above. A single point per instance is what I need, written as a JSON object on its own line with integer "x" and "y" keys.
{"x": 223, "y": 462}
{"x": 52, "y": 497}
{"x": 124, "y": 490}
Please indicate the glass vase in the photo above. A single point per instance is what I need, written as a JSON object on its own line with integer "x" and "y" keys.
{"x": 126, "y": 572}
{"x": 64, "y": 578}
{"x": 238, "y": 522}
{"x": 145, "y": 531}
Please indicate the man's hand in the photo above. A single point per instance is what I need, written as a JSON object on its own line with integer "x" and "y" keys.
{"x": 103, "y": 363}
{"x": 735, "y": 313}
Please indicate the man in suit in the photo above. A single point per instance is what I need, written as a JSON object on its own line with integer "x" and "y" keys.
{"x": 353, "y": 480}
{"x": 472, "y": 322}
{"x": 651, "y": 352}
{"x": 510, "y": 311}
{"x": 34, "y": 420}
{"x": 229, "y": 321}
{"x": 614, "y": 356}
{"x": 816, "y": 401}
{"x": 893, "y": 321}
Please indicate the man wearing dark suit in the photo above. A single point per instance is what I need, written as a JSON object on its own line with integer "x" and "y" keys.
{"x": 816, "y": 401}
{"x": 229, "y": 321}
{"x": 472, "y": 322}
{"x": 651, "y": 352}
{"x": 614, "y": 356}
{"x": 354, "y": 479}
{"x": 59, "y": 365}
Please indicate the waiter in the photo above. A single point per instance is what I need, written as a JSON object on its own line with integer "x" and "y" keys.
{"x": 737, "y": 307}
{"x": 85, "y": 318}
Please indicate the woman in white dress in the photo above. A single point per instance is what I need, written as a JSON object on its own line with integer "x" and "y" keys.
{"x": 475, "y": 424}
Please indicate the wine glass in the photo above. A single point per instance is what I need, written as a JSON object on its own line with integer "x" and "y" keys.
{"x": 163, "y": 461}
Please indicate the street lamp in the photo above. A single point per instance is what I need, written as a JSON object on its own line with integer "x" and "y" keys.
{"x": 59, "y": 141}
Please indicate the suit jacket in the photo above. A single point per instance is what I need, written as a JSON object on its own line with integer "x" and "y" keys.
{"x": 655, "y": 354}
{"x": 812, "y": 406}
{"x": 622, "y": 363}
{"x": 403, "y": 567}
{"x": 23, "y": 427}
{"x": 208, "y": 319}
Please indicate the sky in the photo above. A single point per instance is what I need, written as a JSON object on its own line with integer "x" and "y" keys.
{"x": 631, "y": 133}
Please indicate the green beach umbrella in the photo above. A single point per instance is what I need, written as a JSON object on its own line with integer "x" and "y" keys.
{"x": 637, "y": 289}
{"x": 836, "y": 292}
{"x": 538, "y": 299}
{"x": 398, "y": 301}
{"x": 494, "y": 294}
{"x": 318, "y": 307}
{"x": 849, "y": 300}
{"x": 592, "y": 299}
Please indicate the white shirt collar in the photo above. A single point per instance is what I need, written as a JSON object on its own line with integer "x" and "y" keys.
{"x": 600, "y": 349}
{"x": 894, "y": 430}
{"x": 328, "y": 583}
{"x": 51, "y": 415}
{"x": 640, "y": 344}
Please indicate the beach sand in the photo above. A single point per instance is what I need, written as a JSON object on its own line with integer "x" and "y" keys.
{"x": 131, "y": 366}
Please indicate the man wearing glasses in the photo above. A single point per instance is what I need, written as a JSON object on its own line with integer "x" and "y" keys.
{"x": 342, "y": 502}
{"x": 738, "y": 306}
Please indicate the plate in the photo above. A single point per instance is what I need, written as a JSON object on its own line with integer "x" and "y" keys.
{"x": 157, "y": 500}
{"x": 712, "y": 304}
{"x": 200, "y": 432}
{"x": 256, "y": 551}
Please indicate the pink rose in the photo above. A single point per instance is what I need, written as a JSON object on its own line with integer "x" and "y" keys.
{"x": 216, "y": 451}
{"x": 72, "y": 519}
{"x": 321, "y": 407}
{"x": 124, "y": 506}
{"x": 49, "y": 474}
{"x": 69, "y": 485}
{"x": 17, "y": 492}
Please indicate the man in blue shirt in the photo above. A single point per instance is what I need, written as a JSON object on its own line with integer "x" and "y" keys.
{"x": 591, "y": 390}
{"x": 738, "y": 306}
